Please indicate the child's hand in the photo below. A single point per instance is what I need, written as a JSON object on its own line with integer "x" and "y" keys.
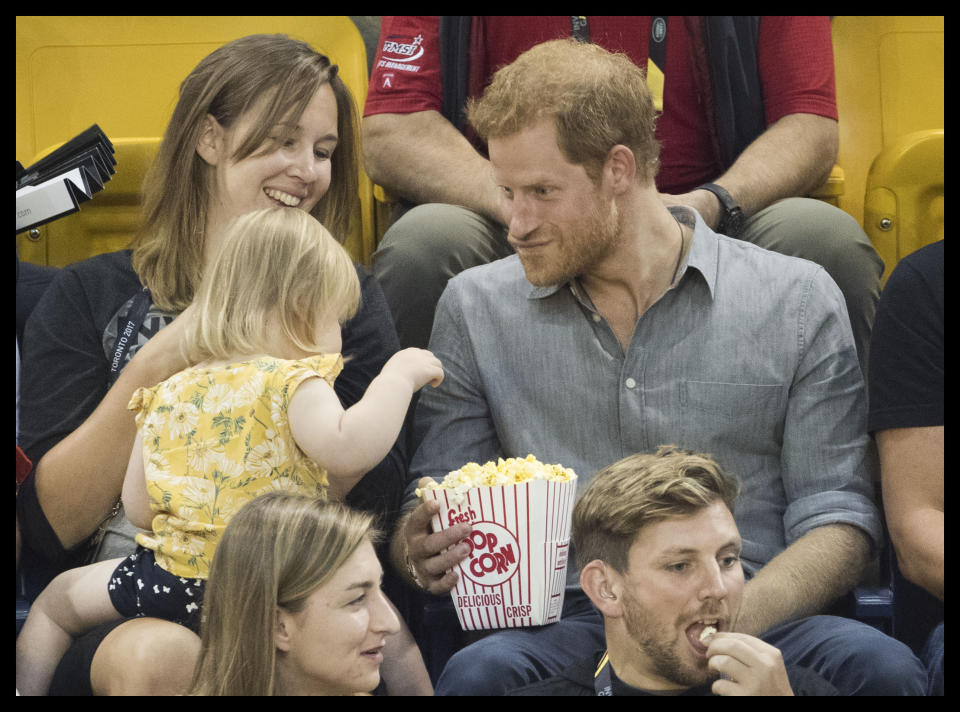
{"x": 419, "y": 366}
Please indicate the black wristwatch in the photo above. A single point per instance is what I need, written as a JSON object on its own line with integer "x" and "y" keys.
{"x": 731, "y": 222}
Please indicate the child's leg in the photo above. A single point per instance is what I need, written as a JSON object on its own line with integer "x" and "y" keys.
{"x": 75, "y": 601}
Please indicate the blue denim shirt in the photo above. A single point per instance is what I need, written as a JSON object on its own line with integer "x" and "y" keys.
{"x": 749, "y": 357}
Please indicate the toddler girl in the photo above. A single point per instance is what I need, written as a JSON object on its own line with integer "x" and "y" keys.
{"x": 256, "y": 414}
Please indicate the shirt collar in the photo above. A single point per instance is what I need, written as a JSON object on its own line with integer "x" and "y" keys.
{"x": 702, "y": 256}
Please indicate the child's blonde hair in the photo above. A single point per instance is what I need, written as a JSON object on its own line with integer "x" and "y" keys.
{"x": 278, "y": 264}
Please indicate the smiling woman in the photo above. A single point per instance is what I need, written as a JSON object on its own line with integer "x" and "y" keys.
{"x": 311, "y": 618}
{"x": 242, "y": 126}
{"x": 262, "y": 121}
{"x": 293, "y": 168}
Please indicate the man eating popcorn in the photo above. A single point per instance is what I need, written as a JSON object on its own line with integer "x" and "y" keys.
{"x": 659, "y": 556}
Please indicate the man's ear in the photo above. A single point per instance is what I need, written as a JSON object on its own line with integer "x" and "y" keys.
{"x": 211, "y": 143}
{"x": 620, "y": 168}
{"x": 601, "y": 584}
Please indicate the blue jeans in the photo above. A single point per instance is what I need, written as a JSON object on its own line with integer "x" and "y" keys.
{"x": 933, "y": 659}
{"x": 510, "y": 659}
{"x": 856, "y": 658}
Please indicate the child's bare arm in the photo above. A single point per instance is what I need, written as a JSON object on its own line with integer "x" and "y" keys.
{"x": 348, "y": 443}
{"x": 136, "y": 501}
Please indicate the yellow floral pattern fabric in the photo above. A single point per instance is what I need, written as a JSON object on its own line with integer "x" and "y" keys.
{"x": 213, "y": 439}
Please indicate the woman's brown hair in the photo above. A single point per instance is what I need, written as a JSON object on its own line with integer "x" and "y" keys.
{"x": 168, "y": 250}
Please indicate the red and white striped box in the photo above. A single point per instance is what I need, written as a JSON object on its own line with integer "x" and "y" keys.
{"x": 516, "y": 571}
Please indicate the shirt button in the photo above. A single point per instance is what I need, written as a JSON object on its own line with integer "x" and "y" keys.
{"x": 630, "y": 383}
{"x": 596, "y": 318}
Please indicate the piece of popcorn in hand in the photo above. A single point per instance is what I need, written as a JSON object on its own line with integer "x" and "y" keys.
{"x": 706, "y": 635}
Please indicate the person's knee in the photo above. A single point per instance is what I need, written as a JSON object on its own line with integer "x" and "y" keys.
{"x": 421, "y": 233}
{"x": 438, "y": 239}
{"x": 482, "y": 668}
{"x": 145, "y": 657}
{"x": 933, "y": 660}
{"x": 860, "y": 659}
{"x": 847, "y": 249}
{"x": 889, "y": 666}
{"x": 418, "y": 255}
{"x": 821, "y": 233}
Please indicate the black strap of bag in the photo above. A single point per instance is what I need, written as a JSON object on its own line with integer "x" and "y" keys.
{"x": 455, "y": 66}
{"x": 580, "y": 28}
{"x": 127, "y": 336}
{"x": 736, "y": 89}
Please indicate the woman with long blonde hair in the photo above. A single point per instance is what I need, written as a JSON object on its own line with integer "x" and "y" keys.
{"x": 294, "y": 604}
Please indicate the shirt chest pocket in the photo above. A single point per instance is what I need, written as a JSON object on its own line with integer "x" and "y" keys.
{"x": 744, "y": 414}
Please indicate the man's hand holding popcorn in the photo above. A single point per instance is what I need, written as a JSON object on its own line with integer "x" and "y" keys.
{"x": 432, "y": 557}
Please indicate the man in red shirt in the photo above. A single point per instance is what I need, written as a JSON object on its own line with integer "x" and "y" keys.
{"x": 740, "y": 143}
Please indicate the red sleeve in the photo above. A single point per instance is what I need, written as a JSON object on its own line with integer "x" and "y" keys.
{"x": 796, "y": 67}
{"x": 405, "y": 76}
{"x": 24, "y": 466}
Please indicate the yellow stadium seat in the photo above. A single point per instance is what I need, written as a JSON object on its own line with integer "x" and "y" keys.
{"x": 903, "y": 208}
{"x": 123, "y": 74}
{"x": 889, "y": 74}
{"x": 384, "y": 205}
{"x": 832, "y": 188}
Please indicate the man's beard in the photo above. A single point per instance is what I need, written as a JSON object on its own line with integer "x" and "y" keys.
{"x": 575, "y": 250}
{"x": 659, "y": 646}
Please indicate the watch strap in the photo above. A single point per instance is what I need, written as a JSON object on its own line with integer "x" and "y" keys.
{"x": 731, "y": 221}
{"x": 726, "y": 200}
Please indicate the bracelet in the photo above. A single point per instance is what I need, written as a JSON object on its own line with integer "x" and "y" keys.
{"x": 413, "y": 572}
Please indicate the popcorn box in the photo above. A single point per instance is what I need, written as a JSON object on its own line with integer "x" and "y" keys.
{"x": 515, "y": 573}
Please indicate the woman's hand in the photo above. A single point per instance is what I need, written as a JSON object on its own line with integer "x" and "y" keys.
{"x": 165, "y": 353}
{"x": 79, "y": 480}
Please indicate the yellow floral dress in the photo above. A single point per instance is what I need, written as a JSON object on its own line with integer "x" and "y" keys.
{"x": 213, "y": 439}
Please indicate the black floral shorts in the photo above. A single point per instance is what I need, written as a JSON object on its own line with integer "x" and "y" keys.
{"x": 139, "y": 587}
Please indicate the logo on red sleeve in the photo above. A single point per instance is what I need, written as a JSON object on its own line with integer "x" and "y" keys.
{"x": 400, "y": 53}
